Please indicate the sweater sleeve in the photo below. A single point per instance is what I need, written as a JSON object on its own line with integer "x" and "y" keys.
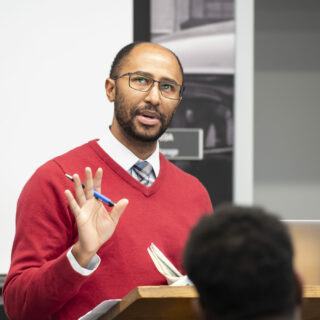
{"x": 41, "y": 279}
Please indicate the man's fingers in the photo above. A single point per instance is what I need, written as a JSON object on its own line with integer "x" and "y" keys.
{"x": 81, "y": 198}
{"x": 118, "y": 209}
{"x": 97, "y": 180}
{"x": 88, "y": 183}
{"x": 72, "y": 203}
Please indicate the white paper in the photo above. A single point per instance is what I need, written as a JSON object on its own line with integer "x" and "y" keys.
{"x": 182, "y": 281}
{"x": 166, "y": 268}
{"x": 165, "y": 261}
{"x": 99, "y": 310}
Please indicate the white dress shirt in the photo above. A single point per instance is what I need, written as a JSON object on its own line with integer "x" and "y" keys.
{"x": 123, "y": 156}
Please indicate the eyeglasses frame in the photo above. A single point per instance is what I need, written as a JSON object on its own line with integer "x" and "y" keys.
{"x": 182, "y": 88}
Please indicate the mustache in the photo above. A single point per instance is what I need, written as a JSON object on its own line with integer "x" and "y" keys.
{"x": 149, "y": 107}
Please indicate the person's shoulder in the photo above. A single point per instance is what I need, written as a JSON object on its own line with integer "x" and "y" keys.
{"x": 188, "y": 184}
{"x": 176, "y": 172}
{"x": 54, "y": 168}
{"x": 77, "y": 152}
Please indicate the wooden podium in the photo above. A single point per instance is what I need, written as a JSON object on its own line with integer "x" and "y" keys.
{"x": 156, "y": 303}
{"x": 174, "y": 303}
{"x": 311, "y": 303}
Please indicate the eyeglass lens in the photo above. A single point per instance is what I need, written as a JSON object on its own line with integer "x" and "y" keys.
{"x": 142, "y": 83}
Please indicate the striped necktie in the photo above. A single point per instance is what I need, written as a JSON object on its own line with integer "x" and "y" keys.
{"x": 143, "y": 172}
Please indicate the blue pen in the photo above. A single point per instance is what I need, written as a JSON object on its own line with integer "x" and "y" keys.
{"x": 98, "y": 195}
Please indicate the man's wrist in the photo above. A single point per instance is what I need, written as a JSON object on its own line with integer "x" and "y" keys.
{"x": 83, "y": 258}
{"x": 89, "y": 269}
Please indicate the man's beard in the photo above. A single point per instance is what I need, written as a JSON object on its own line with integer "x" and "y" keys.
{"x": 126, "y": 121}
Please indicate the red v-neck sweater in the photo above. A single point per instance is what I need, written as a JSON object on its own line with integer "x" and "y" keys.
{"x": 42, "y": 284}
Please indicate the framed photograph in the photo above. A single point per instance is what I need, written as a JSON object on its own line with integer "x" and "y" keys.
{"x": 201, "y": 33}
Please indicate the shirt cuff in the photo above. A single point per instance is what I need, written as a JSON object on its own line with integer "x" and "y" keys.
{"x": 90, "y": 268}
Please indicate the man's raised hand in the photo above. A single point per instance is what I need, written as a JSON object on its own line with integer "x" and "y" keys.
{"x": 95, "y": 224}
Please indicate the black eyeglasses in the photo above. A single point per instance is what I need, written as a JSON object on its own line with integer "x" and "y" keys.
{"x": 168, "y": 89}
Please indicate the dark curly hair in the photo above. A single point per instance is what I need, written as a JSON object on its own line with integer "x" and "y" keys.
{"x": 240, "y": 260}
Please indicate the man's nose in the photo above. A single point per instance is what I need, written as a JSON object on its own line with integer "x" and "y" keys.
{"x": 154, "y": 95}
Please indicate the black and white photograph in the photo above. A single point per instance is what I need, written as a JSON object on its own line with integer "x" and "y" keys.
{"x": 201, "y": 33}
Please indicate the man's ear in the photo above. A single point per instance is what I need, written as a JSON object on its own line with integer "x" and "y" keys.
{"x": 110, "y": 89}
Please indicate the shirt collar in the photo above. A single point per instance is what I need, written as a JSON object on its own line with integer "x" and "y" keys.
{"x": 123, "y": 156}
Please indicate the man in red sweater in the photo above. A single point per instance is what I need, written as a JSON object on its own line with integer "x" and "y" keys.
{"x": 70, "y": 253}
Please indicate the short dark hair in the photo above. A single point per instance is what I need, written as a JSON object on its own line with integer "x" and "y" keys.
{"x": 125, "y": 51}
{"x": 240, "y": 260}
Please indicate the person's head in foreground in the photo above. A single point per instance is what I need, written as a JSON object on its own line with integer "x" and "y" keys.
{"x": 241, "y": 261}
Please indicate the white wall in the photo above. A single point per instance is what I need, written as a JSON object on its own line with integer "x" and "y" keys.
{"x": 54, "y": 58}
